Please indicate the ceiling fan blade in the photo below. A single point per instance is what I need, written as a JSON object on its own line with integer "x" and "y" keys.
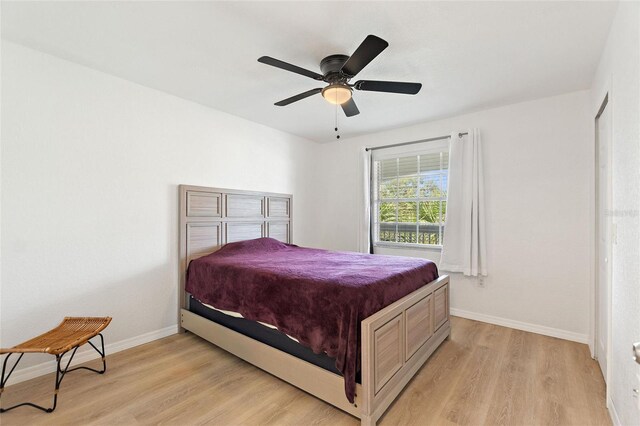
{"x": 369, "y": 49}
{"x": 298, "y": 97}
{"x": 388, "y": 86}
{"x": 350, "y": 109}
{"x": 289, "y": 67}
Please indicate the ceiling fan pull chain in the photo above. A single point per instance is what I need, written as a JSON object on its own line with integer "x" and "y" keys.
{"x": 336, "y": 128}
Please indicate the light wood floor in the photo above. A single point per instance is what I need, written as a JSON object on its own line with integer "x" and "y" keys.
{"x": 484, "y": 375}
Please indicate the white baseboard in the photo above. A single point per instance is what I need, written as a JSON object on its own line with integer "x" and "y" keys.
{"x": 524, "y": 326}
{"x": 88, "y": 354}
{"x": 613, "y": 414}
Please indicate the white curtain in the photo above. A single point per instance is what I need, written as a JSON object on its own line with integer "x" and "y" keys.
{"x": 464, "y": 244}
{"x": 364, "y": 234}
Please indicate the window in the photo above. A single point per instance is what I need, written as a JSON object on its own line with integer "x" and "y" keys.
{"x": 409, "y": 195}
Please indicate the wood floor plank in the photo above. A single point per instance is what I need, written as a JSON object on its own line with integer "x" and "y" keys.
{"x": 470, "y": 403}
{"x": 484, "y": 374}
{"x": 513, "y": 398}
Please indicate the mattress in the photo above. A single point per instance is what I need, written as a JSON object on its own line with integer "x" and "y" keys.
{"x": 264, "y": 333}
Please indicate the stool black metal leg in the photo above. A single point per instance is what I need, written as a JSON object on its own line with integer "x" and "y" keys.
{"x": 60, "y": 373}
{"x": 102, "y": 354}
{"x": 3, "y": 379}
{"x": 58, "y": 380}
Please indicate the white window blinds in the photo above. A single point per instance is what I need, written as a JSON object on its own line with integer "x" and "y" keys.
{"x": 409, "y": 198}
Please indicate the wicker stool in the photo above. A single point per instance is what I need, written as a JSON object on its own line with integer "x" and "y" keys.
{"x": 72, "y": 333}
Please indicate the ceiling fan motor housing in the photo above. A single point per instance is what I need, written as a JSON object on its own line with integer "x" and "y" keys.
{"x": 331, "y": 66}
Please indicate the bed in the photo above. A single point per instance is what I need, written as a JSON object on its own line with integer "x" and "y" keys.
{"x": 393, "y": 336}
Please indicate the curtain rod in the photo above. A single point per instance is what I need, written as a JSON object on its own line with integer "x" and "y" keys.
{"x": 412, "y": 142}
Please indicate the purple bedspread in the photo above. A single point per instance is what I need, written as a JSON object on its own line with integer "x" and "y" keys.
{"x": 317, "y": 296}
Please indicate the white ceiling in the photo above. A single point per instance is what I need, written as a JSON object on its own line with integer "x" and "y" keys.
{"x": 467, "y": 55}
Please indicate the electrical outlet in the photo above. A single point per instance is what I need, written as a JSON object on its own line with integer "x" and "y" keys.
{"x": 481, "y": 281}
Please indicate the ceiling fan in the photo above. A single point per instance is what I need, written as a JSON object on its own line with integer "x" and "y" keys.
{"x": 337, "y": 70}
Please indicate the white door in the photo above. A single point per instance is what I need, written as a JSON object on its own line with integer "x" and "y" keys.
{"x": 603, "y": 233}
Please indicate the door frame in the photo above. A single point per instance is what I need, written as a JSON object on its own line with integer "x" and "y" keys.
{"x": 606, "y": 103}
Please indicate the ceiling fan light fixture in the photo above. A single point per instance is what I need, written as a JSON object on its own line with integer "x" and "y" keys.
{"x": 337, "y": 93}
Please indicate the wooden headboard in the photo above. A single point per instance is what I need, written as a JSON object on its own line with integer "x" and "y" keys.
{"x": 212, "y": 217}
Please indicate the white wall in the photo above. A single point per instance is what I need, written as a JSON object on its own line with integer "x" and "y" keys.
{"x": 619, "y": 75}
{"x": 90, "y": 168}
{"x": 538, "y": 157}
